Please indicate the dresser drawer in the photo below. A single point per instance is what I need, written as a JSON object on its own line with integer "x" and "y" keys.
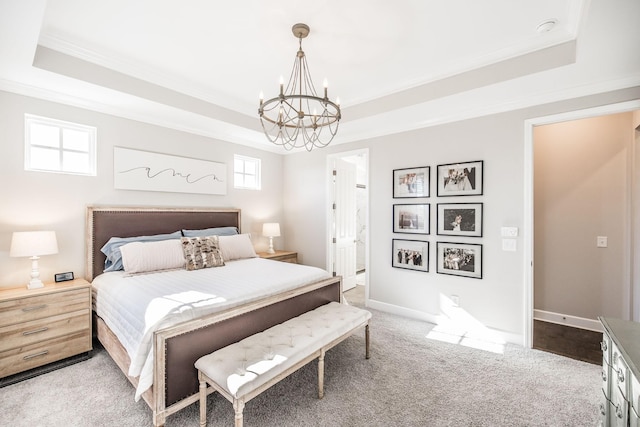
{"x": 618, "y": 414}
{"x": 604, "y": 408}
{"x": 24, "y": 334}
{"x": 606, "y": 380}
{"x": 634, "y": 418}
{"x": 619, "y": 407}
{"x": 619, "y": 374}
{"x": 31, "y": 356}
{"x": 41, "y": 306}
{"x": 605, "y": 346}
{"x": 635, "y": 394}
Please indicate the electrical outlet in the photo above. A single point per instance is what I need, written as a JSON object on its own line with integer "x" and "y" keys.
{"x": 455, "y": 299}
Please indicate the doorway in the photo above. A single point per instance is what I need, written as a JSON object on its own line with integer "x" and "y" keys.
{"x": 628, "y": 283}
{"x": 348, "y": 177}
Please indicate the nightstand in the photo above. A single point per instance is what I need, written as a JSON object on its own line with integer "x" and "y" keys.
{"x": 44, "y": 325}
{"x": 284, "y": 256}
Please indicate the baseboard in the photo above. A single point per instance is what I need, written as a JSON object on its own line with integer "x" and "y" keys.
{"x": 45, "y": 369}
{"x": 508, "y": 337}
{"x": 568, "y": 320}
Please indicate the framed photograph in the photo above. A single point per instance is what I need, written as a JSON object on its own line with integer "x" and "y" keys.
{"x": 459, "y": 219}
{"x": 459, "y": 259}
{"x": 411, "y": 218}
{"x": 410, "y": 254}
{"x": 411, "y": 182}
{"x": 460, "y": 179}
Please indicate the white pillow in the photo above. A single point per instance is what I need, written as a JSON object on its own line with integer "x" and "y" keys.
{"x": 238, "y": 246}
{"x": 141, "y": 257}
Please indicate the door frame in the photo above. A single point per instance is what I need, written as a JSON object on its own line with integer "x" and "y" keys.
{"x": 528, "y": 236}
{"x": 329, "y": 212}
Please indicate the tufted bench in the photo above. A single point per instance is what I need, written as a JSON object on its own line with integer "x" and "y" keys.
{"x": 243, "y": 370}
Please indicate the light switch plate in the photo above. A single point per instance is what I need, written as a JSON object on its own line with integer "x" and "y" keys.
{"x": 509, "y": 231}
{"x": 601, "y": 241}
{"x": 509, "y": 245}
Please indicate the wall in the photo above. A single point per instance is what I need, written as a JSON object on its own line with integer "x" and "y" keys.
{"x": 35, "y": 200}
{"x": 498, "y": 300}
{"x": 582, "y": 183}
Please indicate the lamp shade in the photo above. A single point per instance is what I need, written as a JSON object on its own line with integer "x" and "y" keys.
{"x": 33, "y": 243}
{"x": 271, "y": 229}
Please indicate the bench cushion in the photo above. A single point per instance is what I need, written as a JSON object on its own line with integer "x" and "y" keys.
{"x": 243, "y": 366}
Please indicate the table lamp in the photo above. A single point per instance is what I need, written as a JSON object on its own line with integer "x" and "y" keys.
{"x": 271, "y": 230}
{"x": 33, "y": 244}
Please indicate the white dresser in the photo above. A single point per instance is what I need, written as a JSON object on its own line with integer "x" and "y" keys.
{"x": 620, "y": 404}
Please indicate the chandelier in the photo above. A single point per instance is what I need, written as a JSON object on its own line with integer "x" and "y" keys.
{"x": 298, "y": 117}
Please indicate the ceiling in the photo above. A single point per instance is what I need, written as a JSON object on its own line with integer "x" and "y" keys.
{"x": 199, "y": 65}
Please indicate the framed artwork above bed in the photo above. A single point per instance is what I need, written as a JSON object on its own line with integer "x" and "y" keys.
{"x": 148, "y": 171}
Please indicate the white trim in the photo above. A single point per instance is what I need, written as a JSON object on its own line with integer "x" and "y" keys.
{"x": 257, "y": 163}
{"x": 329, "y": 202}
{"x": 528, "y": 240}
{"x": 60, "y": 125}
{"x": 568, "y": 320}
{"x": 142, "y": 72}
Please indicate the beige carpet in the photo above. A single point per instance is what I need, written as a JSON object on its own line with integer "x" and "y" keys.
{"x": 410, "y": 380}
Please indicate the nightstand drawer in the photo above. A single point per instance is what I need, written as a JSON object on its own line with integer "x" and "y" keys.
{"x": 31, "y": 356}
{"x": 283, "y": 256}
{"x": 23, "y": 334}
{"x": 41, "y": 306}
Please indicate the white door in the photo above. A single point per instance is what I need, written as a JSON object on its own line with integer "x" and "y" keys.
{"x": 345, "y": 211}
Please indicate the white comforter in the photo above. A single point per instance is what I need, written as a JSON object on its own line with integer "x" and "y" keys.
{"x": 135, "y": 306}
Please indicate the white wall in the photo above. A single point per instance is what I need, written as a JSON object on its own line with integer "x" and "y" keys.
{"x": 37, "y": 201}
{"x": 496, "y": 301}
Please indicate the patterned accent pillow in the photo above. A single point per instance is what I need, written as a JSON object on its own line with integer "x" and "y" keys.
{"x": 201, "y": 252}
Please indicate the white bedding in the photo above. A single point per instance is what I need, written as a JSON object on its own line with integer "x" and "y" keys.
{"x": 135, "y": 306}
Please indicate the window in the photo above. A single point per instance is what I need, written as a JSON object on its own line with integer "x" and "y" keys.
{"x": 57, "y": 146}
{"x": 246, "y": 172}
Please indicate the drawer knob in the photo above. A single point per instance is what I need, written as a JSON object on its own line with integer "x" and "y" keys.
{"x": 35, "y": 331}
{"x": 32, "y": 356}
{"x": 34, "y": 308}
{"x": 602, "y": 409}
{"x": 618, "y": 412}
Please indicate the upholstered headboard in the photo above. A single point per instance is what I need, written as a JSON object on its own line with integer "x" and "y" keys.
{"x": 104, "y": 222}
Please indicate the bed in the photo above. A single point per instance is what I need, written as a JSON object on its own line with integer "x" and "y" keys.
{"x": 176, "y": 347}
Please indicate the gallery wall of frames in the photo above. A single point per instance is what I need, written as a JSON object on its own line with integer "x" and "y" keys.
{"x": 458, "y": 212}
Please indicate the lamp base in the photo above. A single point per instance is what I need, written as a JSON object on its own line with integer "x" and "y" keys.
{"x": 35, "y": 284}
{"x": 270, "y": 250}
{"x": 35, "y": 281}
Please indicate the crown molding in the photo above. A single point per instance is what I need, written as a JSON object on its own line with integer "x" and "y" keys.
{"x": 130, "y": 68}
{"x": 354, "y": 131}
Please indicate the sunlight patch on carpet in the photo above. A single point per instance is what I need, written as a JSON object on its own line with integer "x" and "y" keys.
{"x": 457, "y": 326}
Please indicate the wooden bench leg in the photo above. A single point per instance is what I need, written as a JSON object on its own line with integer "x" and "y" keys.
{"x": 321, "y": 375}
{"x": 366, "y": 339}
{"x": 238, "y": 405}
{"x": 203, "y": 400}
